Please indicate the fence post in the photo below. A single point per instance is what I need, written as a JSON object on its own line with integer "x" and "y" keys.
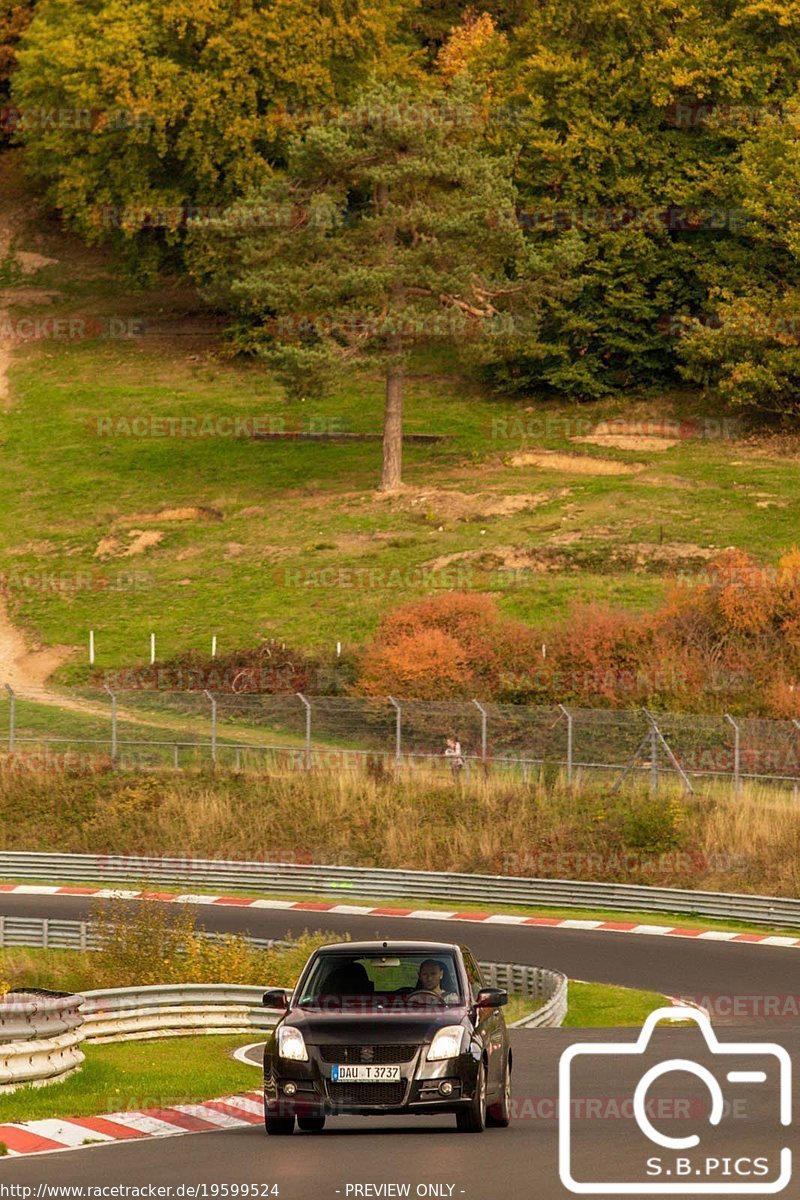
{"x": 106, "y": 688}
{"x": 11, "y": 717}
{"x": 2, "y": 932}
{"x": 568, "y": 715}
{"x": 398, "y": 729}
{"x": 304, "y": 701}
{"x": 213, "y": 725}
{"x": 484, "y": 732}
{"x": 653, "y": 756}
{"x": 736, "y": 754}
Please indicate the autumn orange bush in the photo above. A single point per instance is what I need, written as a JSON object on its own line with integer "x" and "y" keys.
{"x": 454, "y": 645}
{"x": 726, "y": 642}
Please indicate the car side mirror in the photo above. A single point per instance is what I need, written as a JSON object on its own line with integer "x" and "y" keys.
{"x": 275, "y": 998}
{"x": 491, "y": 998}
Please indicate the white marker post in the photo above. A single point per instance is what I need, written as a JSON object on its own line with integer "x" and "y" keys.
{"x": 214, "y": 646}
{"x": 152, "y": 648}
{"x": 338, "y": 649}
{"x": 91, "y": 647}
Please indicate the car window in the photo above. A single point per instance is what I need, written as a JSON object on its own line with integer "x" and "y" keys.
{"x": 473, "y": 974}
{"x": 378, "y": 977}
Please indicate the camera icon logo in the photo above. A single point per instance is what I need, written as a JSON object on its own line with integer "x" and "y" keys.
{"x": 649, "y": 1161}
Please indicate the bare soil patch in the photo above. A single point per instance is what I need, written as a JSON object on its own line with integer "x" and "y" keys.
{"x": 575, "y": 464}
{"x": 628, "y": 441}
{"x": 20, "y": 666}
{"x": 139, "y": 540}
{"x": 573, "y": 551}
{"x": 459, "y": 506}
{"x": 189, "y": 513}
{"x": 143, "y": 539}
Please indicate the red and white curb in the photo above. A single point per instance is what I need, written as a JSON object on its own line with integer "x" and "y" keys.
{"x": 413, "y": 914}
{"x": 43, "y": 1137}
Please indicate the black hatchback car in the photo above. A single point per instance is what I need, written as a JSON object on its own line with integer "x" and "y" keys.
{"x": 381, "y": 1028}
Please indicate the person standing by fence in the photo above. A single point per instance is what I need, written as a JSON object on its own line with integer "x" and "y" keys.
{"x": 452, "y": 752}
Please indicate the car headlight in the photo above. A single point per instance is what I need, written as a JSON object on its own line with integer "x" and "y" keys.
{"x": 291, "y": 1044}
{"x": 446, "y": 1044}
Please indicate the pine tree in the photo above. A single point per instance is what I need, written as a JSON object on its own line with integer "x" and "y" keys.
{"x": 393, "y": 226}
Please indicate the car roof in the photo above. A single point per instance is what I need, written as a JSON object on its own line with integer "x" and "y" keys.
{"x": 389, "y": 947}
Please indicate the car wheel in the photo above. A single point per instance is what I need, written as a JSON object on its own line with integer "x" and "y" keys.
{"x": 472, "y": 1118}
{"x": 499, "y": 1113}
{"x": 279, "y": 1126}
{"x": 311, "y": 1124}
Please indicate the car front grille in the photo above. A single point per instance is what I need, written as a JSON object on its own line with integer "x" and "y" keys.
{"x": 367, "y": 1094}
{"x": 379, "y": 1055}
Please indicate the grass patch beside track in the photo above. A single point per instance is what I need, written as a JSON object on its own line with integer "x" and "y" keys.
{"x": 131, "y": 1076}
{"x": 596, "y": 1005}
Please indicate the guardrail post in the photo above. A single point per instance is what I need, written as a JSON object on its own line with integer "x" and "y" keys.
{"x": 305, "y": 702}
{"x": 11, "y": 717}
{"x": 483, "y": 732}
{"x": 208, "y": 695}
{"x": 106, "y": 688}
{"x": 736, "y": 754}
{"x": 398, "y": 729}
{"x": 568, "y": 716}
{"x": 2, "y": 932}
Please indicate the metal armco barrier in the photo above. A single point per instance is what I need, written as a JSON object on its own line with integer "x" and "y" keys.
{"x": 171, "y": 1011}
{"x": 28, "y": 1015}
{"x": 40, "y": 1037}
{"x": 539, "y": 983}
{"x": 351, "y": 883}
{"x": 49, "y": 934}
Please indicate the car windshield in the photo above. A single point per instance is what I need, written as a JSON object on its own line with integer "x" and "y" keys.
{"x": 401, "y": 980}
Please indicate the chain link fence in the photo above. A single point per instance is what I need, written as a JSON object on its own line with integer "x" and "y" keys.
{"x": 143, "y": 730}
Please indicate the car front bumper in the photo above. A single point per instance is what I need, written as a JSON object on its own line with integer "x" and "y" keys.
{"x": 298, "y": 1089}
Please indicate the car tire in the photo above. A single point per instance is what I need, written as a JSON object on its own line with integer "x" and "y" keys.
{"x": 499, "y": 1113}
{"x": 472, "y": 1118}
{"x": 311, "y": 1124}
{"x": 279, "y": 1126}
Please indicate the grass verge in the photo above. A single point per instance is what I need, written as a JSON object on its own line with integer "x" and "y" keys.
{"x": 596, "y": 1005}
{"x": 131, "y": 1076}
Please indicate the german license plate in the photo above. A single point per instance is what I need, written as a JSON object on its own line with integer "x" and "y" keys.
{"x": 364, "y": 1074}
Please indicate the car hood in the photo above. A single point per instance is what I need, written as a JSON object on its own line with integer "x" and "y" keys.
{"x": 371, "y": 1027}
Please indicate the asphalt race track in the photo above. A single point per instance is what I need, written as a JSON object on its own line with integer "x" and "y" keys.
{"x": 426, "y": 1154}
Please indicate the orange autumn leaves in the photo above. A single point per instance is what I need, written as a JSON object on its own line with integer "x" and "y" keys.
{"x": 725, "y": 640}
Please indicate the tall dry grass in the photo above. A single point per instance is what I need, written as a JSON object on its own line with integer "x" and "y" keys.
{"x": 428, "y": 822}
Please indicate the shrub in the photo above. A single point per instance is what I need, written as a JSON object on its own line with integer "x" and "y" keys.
{"x": 149, "y": 942}
{"x": 455, "y": 645}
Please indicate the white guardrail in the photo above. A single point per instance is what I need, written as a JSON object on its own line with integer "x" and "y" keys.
{"x": 40, "y": 1037}
{"x": 381, "y": 884}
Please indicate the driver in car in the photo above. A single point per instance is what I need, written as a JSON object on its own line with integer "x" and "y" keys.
{"x": 432, "y": 979}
